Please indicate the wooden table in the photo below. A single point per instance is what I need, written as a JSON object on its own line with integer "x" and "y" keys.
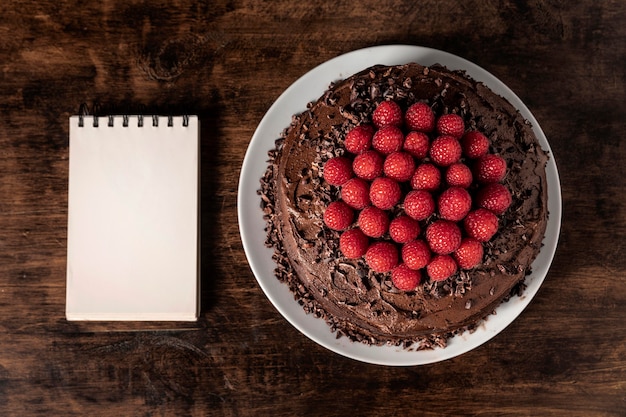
{"x": 228, "y": 62}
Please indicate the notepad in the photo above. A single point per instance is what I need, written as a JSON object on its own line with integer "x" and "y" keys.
{"x": 132, "y": 239}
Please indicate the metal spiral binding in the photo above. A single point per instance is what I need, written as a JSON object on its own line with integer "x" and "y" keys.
{"x": 84, "y": 111}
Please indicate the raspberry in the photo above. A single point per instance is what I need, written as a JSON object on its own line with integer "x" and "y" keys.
{"x": 338, "y": 170}
{"x": 387, "y": 113}
{"x": 459, "y": 175}
{"x": 417, "y": 144}
{"x": 399, "y": 166}
{"x": 419, "y": 204}
{"x": 443, "y": 237}
{"x": 451, "y": 124}
{"x": 490, "y": 168}
{"x": 481, "y": 224}
{"x": 441, "y": 267}
{"x": 454, "y": 204}
{"x": 359, "y": 139}
{"x": 420, "y": 117}
{"x": 426, "y": 177}
{"x": 353, "y": 243}
{"x": 385, "y": 193}
{"x": 373, "y": 222}
{"x": 474, "y": 144}
{"x": 416, "y": 254}
{"x": 388, "y": 139}
{"x": 405, "y": 278}
{"x": 403, "y": 229}
{"x": 338, "y": 215}
{"x": 494, "y": 197}
{"x": 445, "y": 151}
{"x": 382, "y": 256}
{"x": 356, "y": 193}
{"x": 469, "y": 254}
{"x": 368, "y": 165}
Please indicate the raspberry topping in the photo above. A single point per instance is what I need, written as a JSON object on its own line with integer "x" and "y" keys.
{"x": 481, "y": 224}
{"x": 417, "y": 144}
{"x": 452, "y": 125}
{"x": 420, "y": 117}
{"x": 382, "y": 256}
{"x": 359, "y": 139}
{"x": 494, "y": 197}
{"x": 356, "y": 193}
{"x": 353, "y": 243}
{"x": 338, "y": 215}
{"x": 373, "y": 221}
{"x": 403, "y": 229}
{"x": 388, "y": 139}
{"x": 441, "y": 267}
{"x": 443, "y": 237}
{"x": 368, "y": 165}
{"x": 387, "y": 113}
{"x": 385, "y": 193}
{"x": 445, "y": 151}
{"x": 454, "y": 204}
{"x": 419, "y": 204}
{"x": 405, "y": 278}
{"x": 338, "y": 170}
{"x": 409, "y": 222}
{"x": 399, "y": 166}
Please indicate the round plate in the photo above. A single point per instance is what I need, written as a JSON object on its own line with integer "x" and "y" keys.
{"x": 251, "y": 223}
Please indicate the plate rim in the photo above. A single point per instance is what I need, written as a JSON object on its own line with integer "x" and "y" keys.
{"x": 309, "y": 91}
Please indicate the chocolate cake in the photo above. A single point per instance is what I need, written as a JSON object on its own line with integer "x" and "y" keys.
{"x": 361, "y": 302}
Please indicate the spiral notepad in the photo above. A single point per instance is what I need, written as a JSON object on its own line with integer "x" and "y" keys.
{"x": 133, "y": 218}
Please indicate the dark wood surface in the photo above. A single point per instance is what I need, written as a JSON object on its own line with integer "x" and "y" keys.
{"x": 227, "y": 62}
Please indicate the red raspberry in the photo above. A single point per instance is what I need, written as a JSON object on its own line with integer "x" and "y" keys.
{"x": 356, "y": 193}
{"x": 359, "y": 139}
{"x": 454, "y": 204}
{"x": 481, "y": 224}
{"x": 338, "y": 215}
{"x": 388, "y": 139}
{"x": 494, "y": 197}
{"x": 417, "y": 144}
{"x": 338, "y": 170}
{"x": 399, "y": 166}
{"x": 416, "y": 254}
{"x": 441, "y": 267}
{"x": 443, "y": 237}
{"x": 373, "y": 222}
{"x": 459, "y": 175}
{"x": 469, "y": 254}
{"x": 445, "y": 151}
{"x": 403, "y": 229}
{"x": 368, "y": 165}
{"x": 385, "y": 193}
{"x": 387, "y": 113}
{"x": 426, "y": 177}
{"x": 490, "y": 168}
{"x": 382, "y": 256}
{"x": 420, "y": 117}
{"x": 419, "y": 204}
{"x": 405, "y": 278}
{"x": 451, "y": 124}
{"x": 474, "y": 144}
{"x": 353, "y": 243}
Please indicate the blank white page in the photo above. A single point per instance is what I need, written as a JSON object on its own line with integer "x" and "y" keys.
{"x": 132, "y": 249}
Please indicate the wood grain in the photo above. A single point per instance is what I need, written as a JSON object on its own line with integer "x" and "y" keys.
{"x": 227, "y": 61}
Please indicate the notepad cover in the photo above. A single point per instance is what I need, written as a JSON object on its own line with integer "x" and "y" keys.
{"x": 132, "y": 250}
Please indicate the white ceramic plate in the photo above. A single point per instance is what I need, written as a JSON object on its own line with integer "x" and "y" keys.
{"x": 251, "y": 224}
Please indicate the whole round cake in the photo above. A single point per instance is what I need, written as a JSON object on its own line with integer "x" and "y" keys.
{"x": 405, "y": 204}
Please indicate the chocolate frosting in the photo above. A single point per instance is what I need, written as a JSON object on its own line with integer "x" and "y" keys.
{"x": 354, "y": 300}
